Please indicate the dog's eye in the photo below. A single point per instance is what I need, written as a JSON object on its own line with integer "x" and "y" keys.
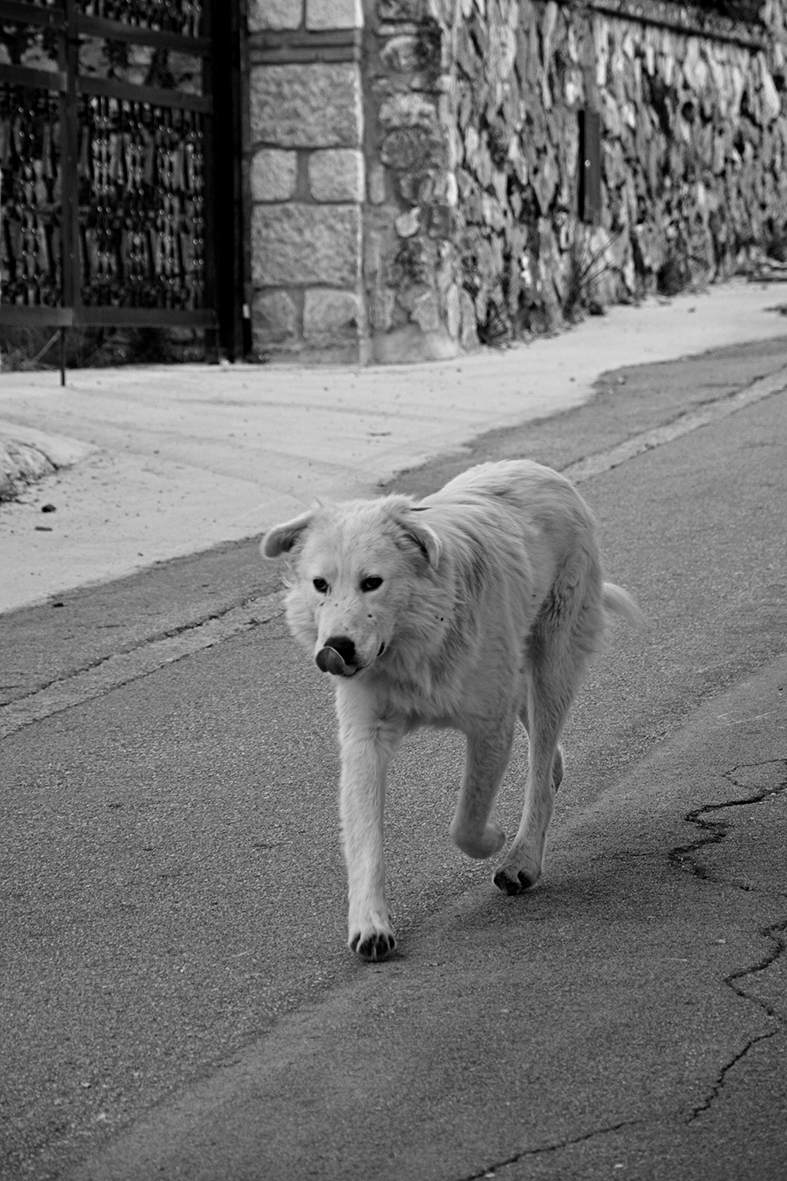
{"x": 320, "y": 585}
{"x": 371, "y": 583}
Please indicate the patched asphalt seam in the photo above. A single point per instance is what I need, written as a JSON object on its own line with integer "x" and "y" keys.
{"x": 703, "y": 415}
{"x": 714, "y": 832}
{"x": 133, "y": 663}
{"x": 490, "y": 1170}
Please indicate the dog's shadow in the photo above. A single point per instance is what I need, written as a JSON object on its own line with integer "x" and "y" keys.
{"x": 588, "y": 907}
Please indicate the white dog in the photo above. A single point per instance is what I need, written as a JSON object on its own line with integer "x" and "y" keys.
{"x": 472, "y": 608}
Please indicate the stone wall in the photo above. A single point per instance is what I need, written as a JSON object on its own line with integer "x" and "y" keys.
{"x": 692, "y": 169}
{"x": 465, "y": 116}
{"x": 306, "y": 179}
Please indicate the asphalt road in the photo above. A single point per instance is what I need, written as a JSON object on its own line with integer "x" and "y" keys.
{"x": 174, "y": 972}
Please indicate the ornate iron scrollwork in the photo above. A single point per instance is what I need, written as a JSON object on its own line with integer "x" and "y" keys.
{"x": 104, "y": 167}
{"x": 173, "y": 16}
{"x": 141, "y": 200}
{"x": 30, "y": 157}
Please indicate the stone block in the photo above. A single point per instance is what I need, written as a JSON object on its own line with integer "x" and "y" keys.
{"x": 403, "y": 10}
{"x": 275, "y": 14}
{"x": 408, "y": 223}
{"x": 770, "y": 97}
{"x": 336, "y": 174}
{"x": 377, "y": 188}
{"x": 414, "y": 149}
{"x": 306, "y": 106}
{"x": 305, "y": 245}
{"x": 453, "y": 314}
{"x": 334, "y": 14}
{"x": 408, "y": 109}
{"x": 468, "y": 331}
{"x": 273, "y": 175}
{"x": 426, "y": 312}
{"x": 410, "y": 344}
{"x": 274, "y": 319}
{"x": 331, "y": 317}
{"x": 381, "y": 311}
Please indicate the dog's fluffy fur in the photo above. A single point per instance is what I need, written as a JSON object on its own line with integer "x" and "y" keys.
{"x": 472, "y": 608}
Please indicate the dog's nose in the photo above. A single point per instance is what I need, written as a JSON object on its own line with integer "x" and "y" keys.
{"x": 341, "y": 647}
{"x": 344, "y": 646}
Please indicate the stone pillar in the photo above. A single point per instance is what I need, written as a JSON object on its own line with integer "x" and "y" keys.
{"x": 307, "y": 179}
{"x": 417, "y": 307}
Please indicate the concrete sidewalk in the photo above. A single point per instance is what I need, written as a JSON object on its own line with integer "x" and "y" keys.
{"x": 173, "y": 460}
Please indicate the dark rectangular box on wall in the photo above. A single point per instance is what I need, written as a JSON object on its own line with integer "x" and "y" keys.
{"x": 589, "y": 167}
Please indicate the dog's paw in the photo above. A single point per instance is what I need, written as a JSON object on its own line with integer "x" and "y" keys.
{"x": 512, "y": 880}
{"x": 372, "y": 944}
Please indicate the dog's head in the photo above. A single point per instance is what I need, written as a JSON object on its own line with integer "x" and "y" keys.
{"x": 355, "y": 568}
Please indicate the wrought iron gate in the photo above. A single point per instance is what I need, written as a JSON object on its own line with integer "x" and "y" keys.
{"x": 107, "y": 154}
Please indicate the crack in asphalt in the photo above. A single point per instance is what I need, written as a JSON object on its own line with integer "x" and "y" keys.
{"x": 771, "y": 932}
{"x": 716, "y": 830}
{"x": 684, "y": 856}
{"x": 490, "y": 1170}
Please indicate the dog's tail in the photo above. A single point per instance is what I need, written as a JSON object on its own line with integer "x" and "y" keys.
{"x": 621, "y": 602}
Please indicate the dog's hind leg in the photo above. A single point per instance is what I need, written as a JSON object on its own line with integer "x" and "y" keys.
{"x": 367, "y": 747}
{"x": 488, "y": 752}
{"x": 547, "y": 708}
{"x": 558, "y": 651}
{"x": 558, "y": 765}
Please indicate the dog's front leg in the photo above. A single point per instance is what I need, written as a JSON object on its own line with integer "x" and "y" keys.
{"x": 367, "y": 745}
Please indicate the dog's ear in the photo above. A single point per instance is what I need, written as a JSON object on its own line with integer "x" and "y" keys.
{"x": 424, "y": 537}
{"x": 281, "y": 538}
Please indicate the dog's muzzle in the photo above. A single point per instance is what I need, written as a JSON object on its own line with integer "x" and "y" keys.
{"x": 331, "y": 661}
{"x": 339, "y": 657}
